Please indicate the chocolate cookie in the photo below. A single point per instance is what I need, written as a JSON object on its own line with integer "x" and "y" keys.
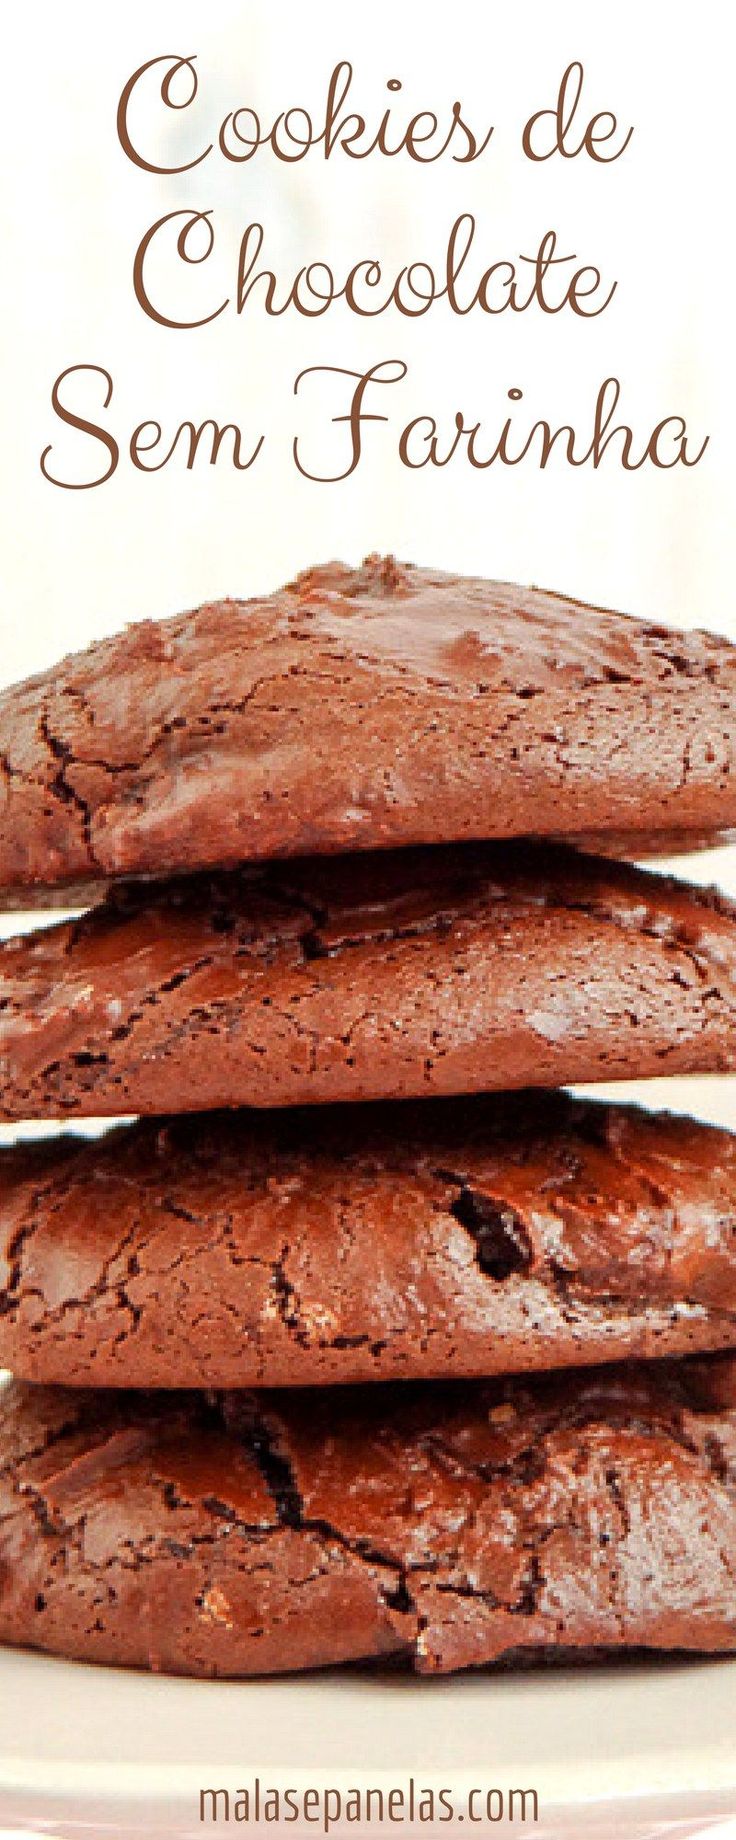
{"x": 388, "y": 976}
{"x": 452, "y": 1525}
{"x": 441, "y": 1238}
{"x": 634, "y": 846}
{"x": 361, "y": 708}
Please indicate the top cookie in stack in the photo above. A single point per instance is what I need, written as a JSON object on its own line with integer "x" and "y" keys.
{"x": 362, "y": 709}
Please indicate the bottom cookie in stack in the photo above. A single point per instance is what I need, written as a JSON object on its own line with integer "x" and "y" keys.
{"x": 453, "y": 1524}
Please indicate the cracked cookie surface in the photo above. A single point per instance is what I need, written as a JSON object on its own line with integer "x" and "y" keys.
{"x": 361, "y": 708}
{"x": 453, "y": 1525}
{"x": 440, "y": 1238}
{"x": 456, "y": 969}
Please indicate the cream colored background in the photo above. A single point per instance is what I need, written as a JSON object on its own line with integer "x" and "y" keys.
{"x": 77, "y": 564}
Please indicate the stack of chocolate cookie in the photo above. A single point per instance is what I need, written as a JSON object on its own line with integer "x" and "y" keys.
{"x": 364, "y": 1339}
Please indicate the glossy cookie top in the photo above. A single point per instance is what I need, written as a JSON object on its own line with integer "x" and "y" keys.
{"x": 355, "y": 709}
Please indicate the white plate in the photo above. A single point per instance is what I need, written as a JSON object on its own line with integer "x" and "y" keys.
{"x": 609, "y": 1749}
